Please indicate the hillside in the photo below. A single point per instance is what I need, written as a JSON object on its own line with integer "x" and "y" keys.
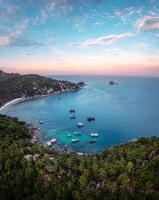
{"x": 5, "y": 76}
{"x": 15, "y": 86}
{"x": 30, "y": 171}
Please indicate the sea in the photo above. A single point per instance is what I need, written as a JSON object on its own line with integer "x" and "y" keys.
{"x": 123, "y": 112}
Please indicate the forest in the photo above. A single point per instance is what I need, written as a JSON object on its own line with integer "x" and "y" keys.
{"x": 32, "y": 171}
{"x": 14, "y": 86}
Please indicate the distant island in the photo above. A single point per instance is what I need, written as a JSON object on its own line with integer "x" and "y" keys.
{"x": 14, "y": 86}
{"x": 113, "y": 83}
{"x": 31, "y": 171}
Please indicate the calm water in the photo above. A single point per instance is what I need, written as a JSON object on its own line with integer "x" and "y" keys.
{"x": 123, "y": 112}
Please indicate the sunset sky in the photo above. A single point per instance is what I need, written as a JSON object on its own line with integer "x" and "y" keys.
{"x": 80, "y": 36}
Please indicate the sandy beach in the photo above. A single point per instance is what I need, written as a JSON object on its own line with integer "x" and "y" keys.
{"x": 14, "y": 101}
{"x": 18, "y": 100}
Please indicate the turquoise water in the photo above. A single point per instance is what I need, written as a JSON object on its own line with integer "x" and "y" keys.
{"x": 123, "y": 112}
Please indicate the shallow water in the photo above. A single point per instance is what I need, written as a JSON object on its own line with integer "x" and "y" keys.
{"x": 123, "y": 112}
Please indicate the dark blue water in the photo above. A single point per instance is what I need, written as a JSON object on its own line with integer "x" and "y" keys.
{"x": 123, "y": 112}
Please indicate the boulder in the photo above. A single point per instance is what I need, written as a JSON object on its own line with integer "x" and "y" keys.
{"x": 151, "y": 155}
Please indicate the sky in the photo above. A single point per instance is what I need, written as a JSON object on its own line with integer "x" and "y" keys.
{"x": 119, "y": 37}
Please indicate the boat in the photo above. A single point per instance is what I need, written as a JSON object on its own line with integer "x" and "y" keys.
{"x": 75, "y": 140}
{"x": 94, "y": 134}
{"x": 92, "y": 141}
{"x": 69, "y": 135}
{"x": 72, "y": 117}
{"x": 53, "y": 141}
{"x": 59, "y": 98}
{"x": 80, "y": 124}
{"x": 40, "y": 122}
{"x": 72, "y": 110}
{"x": 90, "y": 118}
{"x": 77, "y": 133}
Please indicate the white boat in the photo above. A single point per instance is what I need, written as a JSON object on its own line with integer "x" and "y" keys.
{"x": 80, "y": 124}
{"x": 53, "y": 141}
{"x": 75, "y": 140}
{"x": 77, "y": 133}
{"x": 69, "y": 135}
{"x": 94, "y": 134}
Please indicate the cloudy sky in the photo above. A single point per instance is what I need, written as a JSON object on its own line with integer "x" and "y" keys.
{"x": 80, "y": 36}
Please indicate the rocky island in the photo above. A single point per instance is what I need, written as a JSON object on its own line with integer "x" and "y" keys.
{"x": 15, "y": 86}
{"x": 112, "y": 83}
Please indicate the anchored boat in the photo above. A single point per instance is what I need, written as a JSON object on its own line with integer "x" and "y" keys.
{"x": 72, "y": 117}
{"x": 77, "y": 133}
{"x": 94, "y": 134}
{"x": 51, "y": 142}
{"x": 90, "y": 118}
{"x": 72, "y": 110}
{"x": 92, "y": 141}
{"x": 80, "y": 124}
{"x": 75, "y": 140}
{"x": 69, "y": 135}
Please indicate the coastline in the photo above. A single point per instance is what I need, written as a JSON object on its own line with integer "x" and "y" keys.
{"x": 12, "y": 102}
{"x": 21, "y": 99}
{"x": 34, "y": 130}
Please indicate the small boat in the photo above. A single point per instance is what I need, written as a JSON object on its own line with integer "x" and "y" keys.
{"x": 69, "y": 135}
{"x": 59, "y": 98}
{"x": 90, "y": 118}
{"x": 72, "y": 117}
{"x": 80, "y": 124}
{"x": 77, "y": 133}
{"x": 40, "y": 122}
{"x": 53, "y": 141}
{"x": 94, "y": 134}
{"x": 72, "y": 110}
{"x": 92, "y": 141}
{"x": 75, "y": 140}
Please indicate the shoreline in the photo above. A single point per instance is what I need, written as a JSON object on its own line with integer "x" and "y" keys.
{"x": 34, "y": 130}
{"x": 22, "y": 99}
{"x": 12, "y": 102}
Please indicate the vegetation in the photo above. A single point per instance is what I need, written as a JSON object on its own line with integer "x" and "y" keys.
{"x": 15, "y": 86}
{"x": 31, "y": 171}
{"x": 5, "y": 76}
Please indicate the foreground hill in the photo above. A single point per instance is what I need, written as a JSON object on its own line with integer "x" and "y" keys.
{"x": 15, "y": 86}
{"x": 30, "y": 171}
